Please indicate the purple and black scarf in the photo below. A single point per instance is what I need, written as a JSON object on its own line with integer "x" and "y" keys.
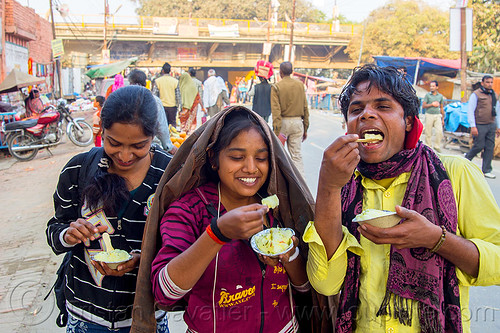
{"x": 414, "y": 274}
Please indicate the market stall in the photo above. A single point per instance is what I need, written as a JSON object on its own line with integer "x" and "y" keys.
{"x": 14, "y": 82}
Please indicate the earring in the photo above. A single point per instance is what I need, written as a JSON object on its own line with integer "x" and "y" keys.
{"x": 214, "y": 167}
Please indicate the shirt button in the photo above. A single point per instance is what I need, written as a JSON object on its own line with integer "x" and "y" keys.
{"x": 387, "y": 194}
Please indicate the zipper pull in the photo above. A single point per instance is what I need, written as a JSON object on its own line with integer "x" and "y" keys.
{"x": 263, "y": 273}
{"x": 119, "y": 225}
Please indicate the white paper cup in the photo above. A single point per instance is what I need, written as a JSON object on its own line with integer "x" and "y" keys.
{"x": 386, "y": 221}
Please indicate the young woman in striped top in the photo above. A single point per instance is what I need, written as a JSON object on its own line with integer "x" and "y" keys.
{"x": 109, "y": 189}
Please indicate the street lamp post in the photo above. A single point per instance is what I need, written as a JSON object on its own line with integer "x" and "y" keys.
{"x": 190, "y": 9}
{"x": 291, "y": 32}
{"x": 57, "y": 68}
{"x": 268, "y": 35}
{"x": 105, "y": 36}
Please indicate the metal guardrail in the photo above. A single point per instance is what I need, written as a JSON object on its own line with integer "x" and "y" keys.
{"x": 145, "y": 24}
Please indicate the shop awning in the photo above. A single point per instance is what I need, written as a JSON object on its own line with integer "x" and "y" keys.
{"x": 17, "y": 80}
{"x": 110, "y": 69}
{"x": 421, "y": 65}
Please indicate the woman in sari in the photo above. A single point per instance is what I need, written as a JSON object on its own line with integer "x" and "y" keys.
{"x": 116, "y": 85}
{"x": 190, "y": 100}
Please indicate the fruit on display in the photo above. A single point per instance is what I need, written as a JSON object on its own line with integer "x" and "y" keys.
{"x": 177, "y": 137}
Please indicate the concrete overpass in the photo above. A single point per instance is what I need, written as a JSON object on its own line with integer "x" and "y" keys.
{"x": 196, "y": 42}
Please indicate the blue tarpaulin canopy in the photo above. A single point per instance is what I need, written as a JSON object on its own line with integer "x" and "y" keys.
{"x": 421, "y": 65}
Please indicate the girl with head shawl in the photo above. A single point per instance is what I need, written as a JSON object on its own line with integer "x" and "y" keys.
{"x": 190, "y": 100}
{"x": 209, "y": 205}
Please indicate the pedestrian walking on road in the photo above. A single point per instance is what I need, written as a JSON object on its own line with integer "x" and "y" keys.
{"x": 190, "y": 101}
{"x": 162, "y": 137}
{"x": 484, "y": 123}
{"x": 96, "y": 121}
{"x": 201, "y": 113}
{"x": 167, "y": 88}
{"x": 117, "y": 84}
{"x": 215, "y": 93}
{"x": 108, "y": 189}
{"x": 433, "y": 104}
{"x": 416, "y": 275}
{"x": 261, "y": 92}
{"x": 290, "y": 113}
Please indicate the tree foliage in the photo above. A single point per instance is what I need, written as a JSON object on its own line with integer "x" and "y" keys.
{"x": 404, "y": 29}
{"x": 228, "y": 9}
{"x": 485, "y": 57}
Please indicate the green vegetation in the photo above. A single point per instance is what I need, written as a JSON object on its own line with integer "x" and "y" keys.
{"x": 485, "y": 57}
{"x": 404, "y": 28}
{"x": 228, "y": 9}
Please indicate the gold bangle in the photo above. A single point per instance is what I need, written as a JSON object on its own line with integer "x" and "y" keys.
{"x": 440, "y": 241}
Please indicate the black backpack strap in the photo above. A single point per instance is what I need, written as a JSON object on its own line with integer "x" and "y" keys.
{"x": 89, "y": 168}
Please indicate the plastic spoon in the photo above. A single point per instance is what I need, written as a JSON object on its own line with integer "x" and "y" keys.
{"x": 107, "y": 242}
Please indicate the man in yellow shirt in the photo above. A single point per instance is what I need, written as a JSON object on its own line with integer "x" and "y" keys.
{"x": 415, "y": 276}
{"x": 167, "y": 88}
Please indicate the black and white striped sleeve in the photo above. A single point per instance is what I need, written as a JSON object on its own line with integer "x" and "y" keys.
{"x": 66, "y": 204}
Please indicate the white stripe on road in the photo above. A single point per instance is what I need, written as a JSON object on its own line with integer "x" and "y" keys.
{"x": 317, "y": 146}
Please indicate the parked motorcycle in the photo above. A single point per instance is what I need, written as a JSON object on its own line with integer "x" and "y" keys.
{"x": 26, "y": 137}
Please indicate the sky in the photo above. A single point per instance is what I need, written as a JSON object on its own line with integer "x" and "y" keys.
{"x": 353, "y": 10}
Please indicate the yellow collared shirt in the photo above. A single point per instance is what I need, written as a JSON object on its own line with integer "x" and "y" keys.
{"x": 478, "y": 221}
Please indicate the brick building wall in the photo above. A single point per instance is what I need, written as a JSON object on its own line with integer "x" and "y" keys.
{"x": 26, "y": 28}
{"x": 40, "y": 50}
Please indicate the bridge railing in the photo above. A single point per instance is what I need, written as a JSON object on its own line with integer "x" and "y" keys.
{"x": 145, "y": 24}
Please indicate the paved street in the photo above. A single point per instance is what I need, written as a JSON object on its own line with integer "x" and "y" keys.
{"x": 27, "y": 265}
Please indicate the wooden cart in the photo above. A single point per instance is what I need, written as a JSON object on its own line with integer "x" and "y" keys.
{"x": 462, "y": 139}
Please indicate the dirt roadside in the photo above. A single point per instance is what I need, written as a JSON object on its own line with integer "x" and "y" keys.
{"x": 27, "y": 265}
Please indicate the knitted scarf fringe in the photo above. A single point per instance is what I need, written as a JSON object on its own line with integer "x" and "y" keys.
{"x": 403, "y": 309}
{"x": 429, "y": 319}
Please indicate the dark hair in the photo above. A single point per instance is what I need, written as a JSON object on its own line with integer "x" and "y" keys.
{"x": 388, "y": 80}
{"x": 131, "y": 105}
{"x": 286, "y": 68}
{"x": 100, "y": 99}
{"x": 486, "y": 77}
{"x": 263, "y": 79}
{"x": 403, "y": 69}
{"x": 437, "y": 84}
{"x": 127, "y": 105}
{"x": 192, "y": 72}
{"x": 166, "y": 68}
{"x": 137, "y": 77}
{"x": 235, "y": 122}
{"x": 32, "y": 93}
